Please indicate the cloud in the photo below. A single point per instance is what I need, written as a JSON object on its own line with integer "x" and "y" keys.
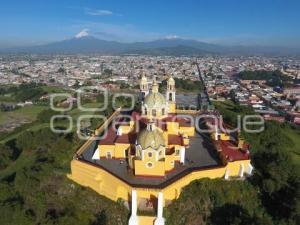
{"x": 98, "y": 12}
{"x": 82, "y": 33}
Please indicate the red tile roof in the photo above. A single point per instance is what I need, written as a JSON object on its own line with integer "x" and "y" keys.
{"x": 129, "y": 138}
{"x": 232, "y": 153}
{"x": 109, "y": 137}
{"x": 175, "y": 139}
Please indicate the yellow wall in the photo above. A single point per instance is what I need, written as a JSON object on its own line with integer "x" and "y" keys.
{"x": 145, "y": 220}
{"x": 172, "y": 107}
{"x": 108, "y": 185}
{"x": 190, "y": 131}
{"x": 241, "y": 143}
{"x": 120, "y": 150}
{"x": 186, "y": 141}
{"x": 169, "y": 162}
{"x": 172, "y": 127}
{"x": 140, "y": 168}
{"x": 99, "y": 180}
{"x": 117, "y": 150}
{"x": 223, "y": 136}
{"x": 126, "y": 129}
{"x": 107, "y": 148}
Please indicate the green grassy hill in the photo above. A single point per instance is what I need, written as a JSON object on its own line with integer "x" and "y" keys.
{"x": 34, "y": 162}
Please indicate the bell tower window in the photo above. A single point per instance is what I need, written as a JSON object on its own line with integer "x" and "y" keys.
{"x": 154, "y": 112}
{"x": 150, "y": 126}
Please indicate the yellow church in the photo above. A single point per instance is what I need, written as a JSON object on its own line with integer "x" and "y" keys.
{"x": 146, "y": 158}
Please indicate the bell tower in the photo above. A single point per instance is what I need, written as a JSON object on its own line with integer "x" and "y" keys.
{"x": 144, "y": 87}
{"x": 171, "y": 94}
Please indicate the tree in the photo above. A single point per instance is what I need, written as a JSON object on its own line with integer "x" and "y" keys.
{"x": 6, "y": 155}
{"x": 273, "y": 78}
{"x": 217, "y": 201}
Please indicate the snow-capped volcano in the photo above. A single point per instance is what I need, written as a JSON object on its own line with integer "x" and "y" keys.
{"x": 82, "y": 33}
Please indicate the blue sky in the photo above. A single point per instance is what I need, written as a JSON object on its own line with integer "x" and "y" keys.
{"x": 246, "y": 22}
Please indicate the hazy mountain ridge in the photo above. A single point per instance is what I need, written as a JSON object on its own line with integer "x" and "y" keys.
{"x": 172, "y": 50}
{"x": 174, "y": 46}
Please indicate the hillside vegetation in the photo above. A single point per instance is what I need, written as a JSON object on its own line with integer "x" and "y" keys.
{"x": 34, "y": 188}
{"x": 273, "y": 78}
{"x": 34, "y": 162}
{"x": 270, "y": 196}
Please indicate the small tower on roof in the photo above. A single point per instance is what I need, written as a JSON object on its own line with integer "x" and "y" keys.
{"x": 171, "y": 92}
{"x": 144, "y": 87}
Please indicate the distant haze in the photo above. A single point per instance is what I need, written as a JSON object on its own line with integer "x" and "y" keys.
{"x": 84, "y": 43}
{"x": 264, "y": 23}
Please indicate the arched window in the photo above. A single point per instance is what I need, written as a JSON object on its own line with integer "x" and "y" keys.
{"x": 170, "y": 96}
{"x": 154, "y": 112}
{"x": 163, "y": 111}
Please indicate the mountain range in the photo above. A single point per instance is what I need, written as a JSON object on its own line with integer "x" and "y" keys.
{"x": 173, "y": 46}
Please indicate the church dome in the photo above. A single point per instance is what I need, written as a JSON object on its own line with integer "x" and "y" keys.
{"x": 155, "y": 100}
{"x": 150, "y": 138}
{"x": 171, "y": 80}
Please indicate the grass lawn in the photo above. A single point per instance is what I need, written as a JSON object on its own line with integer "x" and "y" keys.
{"x": 28, "y": 113}
{"x": 7, "y": 98}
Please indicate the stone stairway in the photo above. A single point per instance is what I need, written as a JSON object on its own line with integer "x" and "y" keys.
{"x": 146, "y": 220}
